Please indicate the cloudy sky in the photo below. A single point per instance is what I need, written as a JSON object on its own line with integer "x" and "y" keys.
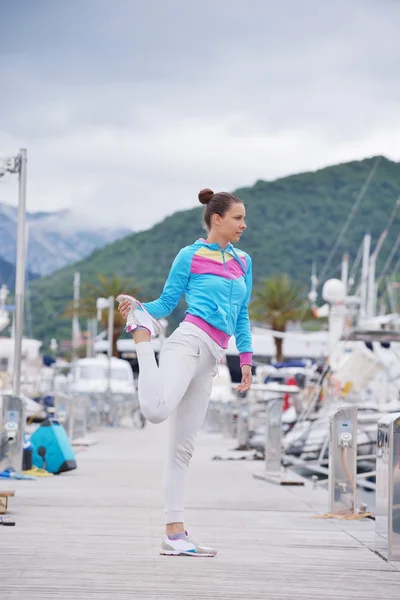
{"x": 128, "y": 108}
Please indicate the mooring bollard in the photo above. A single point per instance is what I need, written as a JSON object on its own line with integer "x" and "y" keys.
{"x": 274, "y": 472}
{"x": 342, "y": 483}
{"x": 228, "y": 416}
{"x": 387, "y": 510}
{"x": 273, "y": 436}
{"x": 243, "y": 423}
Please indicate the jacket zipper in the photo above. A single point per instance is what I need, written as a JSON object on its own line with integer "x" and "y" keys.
{"x": 231, "y": 280}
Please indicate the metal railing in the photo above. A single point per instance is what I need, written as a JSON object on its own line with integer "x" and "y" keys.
{"x": 81, "y": 414}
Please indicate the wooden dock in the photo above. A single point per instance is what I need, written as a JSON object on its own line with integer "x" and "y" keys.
{"x": 94, "y": 533}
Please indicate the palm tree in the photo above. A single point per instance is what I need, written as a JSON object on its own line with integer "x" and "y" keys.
{"x": 277, "y": 301}
{"x": 104, "y": 287}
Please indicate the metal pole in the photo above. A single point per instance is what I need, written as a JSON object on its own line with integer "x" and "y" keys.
{"x": 364, "y": 276}
{"x": 273, "y": 436}
{"x": 110, "y": 325}
{"x": 312, "y": 296}
{"x": 390, "y": 295}
{"x": 336, "y": 322}
{"x": 75, "y": 318}
{"x": 20, "y": 273}
{"x": 371, "y": 305}
{"x": 345, "y": 270}
{"x": 372, "y": 287}
{"x": 94, "y": 334}
{"x": 110, "y": 337}
{"x": 89, "y": 339}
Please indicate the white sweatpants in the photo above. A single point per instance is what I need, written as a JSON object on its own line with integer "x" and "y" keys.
{"x": 179, "y": 388}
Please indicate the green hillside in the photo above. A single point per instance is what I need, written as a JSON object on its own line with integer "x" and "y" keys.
{"x": 291, "y": 222}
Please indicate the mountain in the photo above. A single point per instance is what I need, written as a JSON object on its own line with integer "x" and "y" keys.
{"x": 55, "y": 239}
{"x": 7, "y": 274}
{"x": 291, "y": 222}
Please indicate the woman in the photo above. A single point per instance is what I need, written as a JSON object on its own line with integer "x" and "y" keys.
{"x": 216, "y": 280}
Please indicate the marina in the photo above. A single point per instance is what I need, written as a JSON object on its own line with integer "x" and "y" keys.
{"x": 265, "y": 330}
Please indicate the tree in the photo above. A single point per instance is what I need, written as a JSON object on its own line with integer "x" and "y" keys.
{"x": 277, "y": 301}
{"x": 104, "y": 287}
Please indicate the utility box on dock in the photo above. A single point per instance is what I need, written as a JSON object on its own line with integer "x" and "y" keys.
{"x": 12, "y": 428}
{"x": 343, "y": 461}
{"x": 387, "y": 511}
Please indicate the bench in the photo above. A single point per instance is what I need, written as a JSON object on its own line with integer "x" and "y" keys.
{"x": 4, "y": 496}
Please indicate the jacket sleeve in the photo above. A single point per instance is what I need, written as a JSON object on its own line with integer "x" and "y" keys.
{"x": 242, "y": 330}
{"x": 174, "y": 287}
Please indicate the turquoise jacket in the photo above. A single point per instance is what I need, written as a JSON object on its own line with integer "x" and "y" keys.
{"x": 217, "y": 286}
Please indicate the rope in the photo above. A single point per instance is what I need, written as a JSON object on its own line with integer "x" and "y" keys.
{"x": 396, "y": 268}
{"x": 387, "y": 228}
{"x": 354, "y": 209}
{"x": 344, "y": 516}
{"x": 388, "y": 261}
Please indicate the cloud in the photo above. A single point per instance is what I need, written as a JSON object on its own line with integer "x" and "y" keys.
{"x": 150, "y": 102}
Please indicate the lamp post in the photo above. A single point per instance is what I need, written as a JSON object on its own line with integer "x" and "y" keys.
{"x": 76, "y": 332}
{"x": 18, "y": 165}
{"x": 103, "y": 304}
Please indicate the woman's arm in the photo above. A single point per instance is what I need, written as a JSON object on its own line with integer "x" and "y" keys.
{"x": 242, "y": 331}
{"x": 174, "y": 286}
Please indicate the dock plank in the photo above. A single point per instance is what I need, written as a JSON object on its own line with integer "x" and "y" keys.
{"x": 94, "y": 533}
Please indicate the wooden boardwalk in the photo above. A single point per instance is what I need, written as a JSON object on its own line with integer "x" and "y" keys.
{"x": 94, "y": 533}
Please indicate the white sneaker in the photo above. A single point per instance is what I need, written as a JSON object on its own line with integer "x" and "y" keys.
{"x": 185, "y": 546}
{"x": 139, "y": 317}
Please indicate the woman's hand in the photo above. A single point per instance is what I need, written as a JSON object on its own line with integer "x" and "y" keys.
{"x": 124, "y": 309}
{"x": 246, "y": 379}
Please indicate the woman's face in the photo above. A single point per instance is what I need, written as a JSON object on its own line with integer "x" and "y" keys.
{"x": 232, "y": 224}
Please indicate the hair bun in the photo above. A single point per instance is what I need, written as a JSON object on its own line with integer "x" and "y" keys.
{"x": 205, "y": 196}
